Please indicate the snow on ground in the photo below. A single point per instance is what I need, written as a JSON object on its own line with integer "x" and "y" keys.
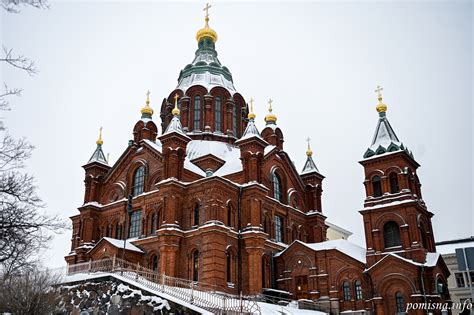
{"x": 145, "y": 284}
{"x": 292, "y": 308}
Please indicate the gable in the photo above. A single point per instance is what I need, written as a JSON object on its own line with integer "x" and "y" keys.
{"x": 280, "y": 158}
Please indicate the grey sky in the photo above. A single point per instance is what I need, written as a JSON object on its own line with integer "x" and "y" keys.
{"x": 319, "y": 61}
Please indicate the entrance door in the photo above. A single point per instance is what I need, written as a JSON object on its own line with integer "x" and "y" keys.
{"x": 301, "y": 287}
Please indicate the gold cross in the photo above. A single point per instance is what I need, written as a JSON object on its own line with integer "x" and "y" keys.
{"x": 148, "y": 97}
{"x": 176, "y": 100}
{"x": 206, "y": 8}
{"x": 270, "y": 101}
{"x": 251, "y": 105}
{"x": 379, "y": 90}
{"x": 308, "y": 140}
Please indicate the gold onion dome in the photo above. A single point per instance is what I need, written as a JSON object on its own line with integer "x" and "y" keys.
{"x": 100, "y": 141}
{"x": 270, "y": 118}
{"x": 251, "y": 114}
{"x": 175, "y": 110}
{"x": 206, "y": 31}
{"x": 381, "y": 107}
{"x": 147, "y": 110}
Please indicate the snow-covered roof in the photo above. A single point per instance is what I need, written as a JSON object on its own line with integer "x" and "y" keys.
{"x": 385, "y": 139}
{"x": 344, "y": 246}
{"x": 175, "y": 126}
{"x": 98, "y": 156}
{"x": 445, "y": 249}
{"x": 224, "y": 151}
{"x": 155, "y": 145}
{"x": 119, "y": 244}
{"x": 206, "y": 79}
{"x": 431, "y": 260}
{"x": 309, "y": 166}
{"x": 251, "y": 131}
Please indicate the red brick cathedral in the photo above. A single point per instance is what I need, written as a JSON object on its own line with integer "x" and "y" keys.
{"x": 217, "y": 201}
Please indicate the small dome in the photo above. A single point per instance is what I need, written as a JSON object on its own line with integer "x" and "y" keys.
{"x": 206, "y": 31}
{"x": 271, "y": 118}
{"x": 147, "y": 111}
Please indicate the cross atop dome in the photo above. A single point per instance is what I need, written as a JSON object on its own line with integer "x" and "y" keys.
{"x": 381, "y": 107}
{"x": 147, "y": 111}
{"x": 206, "y": 31}
{"x": 98, "y": 155}
{"x": 270, "y": 118}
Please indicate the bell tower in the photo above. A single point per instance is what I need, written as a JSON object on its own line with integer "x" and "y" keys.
{"x": 396, "y": 219}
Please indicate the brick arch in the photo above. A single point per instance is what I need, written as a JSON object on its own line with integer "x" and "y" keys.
{"x": 392, "y": 283}
{"x": 389, "y": 216}
{"x": 374, "y": 173}
{"x": 232, "y": 222}
{"x": 292, "y": 193}
{"x": 394, "y": 168}
{"x": 424, "y": 229}
{"x": 344, "y": 272}
{"x": 242, "y": 110}
{"x": 192, "y": 93}
{"x": 220, "y": 91}
{"x": 134, "y": 165}
{"x": 281, "y": 173}
{"x": 306, "y": 262}
{"x": 192, "y": 203}
{"x": 154, "y": 178}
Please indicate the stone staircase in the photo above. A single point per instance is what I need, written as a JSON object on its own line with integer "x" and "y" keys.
{"x": 198, "y": 294}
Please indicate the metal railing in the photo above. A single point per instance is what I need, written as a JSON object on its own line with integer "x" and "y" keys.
{"x": 206, "y": 296}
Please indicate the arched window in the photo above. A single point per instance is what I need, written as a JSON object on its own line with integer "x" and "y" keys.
{"x": 135, "y": 226}
{"x": 196, "y": 215}
{"x": 393, "y": 183}
{"x": 391, "y": 234}
{"x": 278, "y": 229}
{"x": 109, "y": 231}
{"x": 154, "y": 263}
{"x": 400, "y": 303}
{"x": 358, "y": 290}
{"x": 229, "y": 266}
{"x": 138, "y": 181}
{"x": 234, "y": 121}
{"x": 195, "y": 265}
{"x": 277, "y": 188}
{"x": 440, "y": 286}
{"x": 197, "y": 113}
{"x": 153, "y": 224}
{"x": 377, "y": 186}
{"x": 346, "y": 290}
{"x": 218, "y": 114}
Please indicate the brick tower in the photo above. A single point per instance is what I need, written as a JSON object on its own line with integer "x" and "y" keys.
{"x": 401, "y": 258}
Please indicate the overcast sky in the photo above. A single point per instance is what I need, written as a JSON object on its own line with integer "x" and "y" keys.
{"x": 319, "y": 61}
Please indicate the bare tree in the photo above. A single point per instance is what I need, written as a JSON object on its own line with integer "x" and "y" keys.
{"x": 23, "y": 229}
{"x": 13, "y": 6}
{"x": 31, "y": 292}
{"x": 17, "y": 60}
